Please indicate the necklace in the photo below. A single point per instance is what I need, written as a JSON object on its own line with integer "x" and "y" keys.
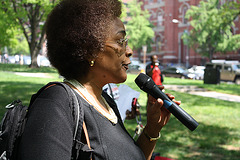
{"x": 82, "y": 91}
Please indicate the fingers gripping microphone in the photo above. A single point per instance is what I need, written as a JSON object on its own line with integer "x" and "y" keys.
{"x": 146, "y": 84}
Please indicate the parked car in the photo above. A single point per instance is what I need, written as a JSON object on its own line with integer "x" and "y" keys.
{"x": 134, "y": 69}
{"x": 197, "y": 72}
{"x": 177, "y": 72}
{"x": 229, "y": 70}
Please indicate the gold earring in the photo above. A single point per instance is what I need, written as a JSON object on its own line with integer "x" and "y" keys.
{"x": 91, "y": 63}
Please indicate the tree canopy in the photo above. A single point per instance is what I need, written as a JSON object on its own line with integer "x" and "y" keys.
{"x": 7, "y": 30}
{"x": 29, "y": 16}
{"x": 138, "y": 26}
{"x": 212, "y": 27}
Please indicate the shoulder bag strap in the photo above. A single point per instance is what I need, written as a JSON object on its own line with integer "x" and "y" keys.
{"x": 111, "y": 92}
{"x": 79, "y": 126}
{"x": 76, "y": 107}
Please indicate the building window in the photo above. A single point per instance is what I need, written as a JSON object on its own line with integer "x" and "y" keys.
{"x": 151, "y": 18}
{"x": 158, "y": 44}
{"x": 159, "y": 18}
{"x": 150, "y": 1}
{"x": 184, "y": 11}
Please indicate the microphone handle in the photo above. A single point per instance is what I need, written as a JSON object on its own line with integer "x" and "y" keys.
{"x": 177, "y": 111}
{"x": 183, "y": 116}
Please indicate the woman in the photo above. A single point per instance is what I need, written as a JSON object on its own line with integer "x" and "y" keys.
{"x": 87, "y": 44}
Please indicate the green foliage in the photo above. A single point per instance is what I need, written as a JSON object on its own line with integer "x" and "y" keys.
{"x": 11, "y": 36}
{"x": 124, "y": 12}
{"x": 138, "y": 27}
{"x": 29, "y": 16}
{"x": 20, "y": 46}
{"x": 212, "y": 24}
{"x": 7, "y": 30}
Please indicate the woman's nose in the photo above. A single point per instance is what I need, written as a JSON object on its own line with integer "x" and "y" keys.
{"x": 128, "y": 52}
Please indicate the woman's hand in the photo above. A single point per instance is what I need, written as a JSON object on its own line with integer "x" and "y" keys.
{"x": 157, "y": 115}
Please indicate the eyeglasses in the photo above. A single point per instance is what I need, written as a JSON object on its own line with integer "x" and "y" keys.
{"x": 122, "y": 42}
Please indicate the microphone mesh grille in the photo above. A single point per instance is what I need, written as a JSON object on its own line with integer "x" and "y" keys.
{"x": 141, "y": 79}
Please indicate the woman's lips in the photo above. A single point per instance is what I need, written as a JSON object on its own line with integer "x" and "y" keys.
{"x": 125, "y": 66}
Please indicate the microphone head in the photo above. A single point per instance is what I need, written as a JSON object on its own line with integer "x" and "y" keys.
{"x": 144, "y": 82}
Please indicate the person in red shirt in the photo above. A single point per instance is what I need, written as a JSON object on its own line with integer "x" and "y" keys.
{"x": 153, "y": 70}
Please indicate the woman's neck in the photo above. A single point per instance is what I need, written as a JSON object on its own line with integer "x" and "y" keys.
{"x": 94, "y": 89}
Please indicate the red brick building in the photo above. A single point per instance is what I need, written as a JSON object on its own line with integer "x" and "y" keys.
{"x": 170, "y": 24}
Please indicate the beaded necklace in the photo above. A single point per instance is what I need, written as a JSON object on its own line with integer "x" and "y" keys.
{"x": 82, "y": 91}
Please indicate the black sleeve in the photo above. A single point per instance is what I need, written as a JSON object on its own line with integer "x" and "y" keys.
{"x": 48, "y": 133}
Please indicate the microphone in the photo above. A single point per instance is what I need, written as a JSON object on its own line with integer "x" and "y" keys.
{"x": 146, "y": 84}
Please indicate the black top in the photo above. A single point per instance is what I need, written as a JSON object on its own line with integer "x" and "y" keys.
{"x": 49, "y": 130}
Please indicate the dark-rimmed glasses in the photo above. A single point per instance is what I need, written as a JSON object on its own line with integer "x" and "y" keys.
{"x": 121, "y": 42}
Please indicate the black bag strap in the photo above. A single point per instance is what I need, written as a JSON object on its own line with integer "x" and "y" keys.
{"x": 111, "y": 92}
{"x": 78, "y": 110}
{"x": 80, "y": 149}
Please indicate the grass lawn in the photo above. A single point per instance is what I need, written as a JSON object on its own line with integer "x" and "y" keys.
{"x": 217, "y": 136}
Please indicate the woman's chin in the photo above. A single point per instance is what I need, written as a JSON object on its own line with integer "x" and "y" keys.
{"x": 122, "y": 78}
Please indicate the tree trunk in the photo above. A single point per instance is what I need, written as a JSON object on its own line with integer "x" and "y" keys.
{"x": 139, "y": 54}
{"x": 211, "y": 54}
{"x": 34, "y": 56}
{"x": 35, "y": 50}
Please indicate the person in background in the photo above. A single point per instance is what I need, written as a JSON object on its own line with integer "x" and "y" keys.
{"x": 153, "y": 70}
{"x": 17, "y": 59}
{"x": 87, "y": 44}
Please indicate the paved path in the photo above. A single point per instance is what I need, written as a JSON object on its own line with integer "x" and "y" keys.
{"x": 203, "y": 92}
{"x": 26, "y": 74}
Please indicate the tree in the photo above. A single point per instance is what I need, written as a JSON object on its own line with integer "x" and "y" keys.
{"x": 30, "y": 16}
{"x": 138, "y": 27}
{"x": 20, "y": 45}
{"x": 7, "y": 30}
{"x": 212, "y": 24}
{"x": 11, "y": 36}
